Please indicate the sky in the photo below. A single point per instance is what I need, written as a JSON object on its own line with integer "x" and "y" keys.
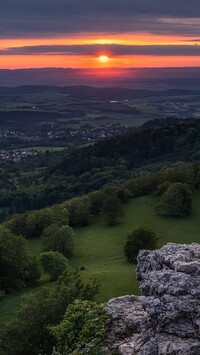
{"x": 99, "y": 33}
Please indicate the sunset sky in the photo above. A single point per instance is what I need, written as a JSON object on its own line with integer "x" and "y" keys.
{"x": 76, "y": 33}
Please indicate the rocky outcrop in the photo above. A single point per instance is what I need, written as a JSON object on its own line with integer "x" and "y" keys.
{"x": 165, "y": 320}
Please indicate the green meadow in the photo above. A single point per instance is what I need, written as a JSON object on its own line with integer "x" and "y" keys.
{"x": 99, "y": 248}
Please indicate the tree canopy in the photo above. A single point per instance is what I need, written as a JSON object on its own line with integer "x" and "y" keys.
{"x": 140, "y": 238}
{"x": 83, "y": 329}
{"x": 53, "y": 263}
{"x": 176, "y": 201}
{"x": 112, "y": 210}
{"x": 17, "y": 267}
{"x": 60, "y": 239}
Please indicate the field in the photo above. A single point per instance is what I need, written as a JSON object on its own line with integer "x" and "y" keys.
{"x": 99, "y": 248}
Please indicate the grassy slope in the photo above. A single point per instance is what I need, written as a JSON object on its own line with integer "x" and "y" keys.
{"x": 100, "y": 248}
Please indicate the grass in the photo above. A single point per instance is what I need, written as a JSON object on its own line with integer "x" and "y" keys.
{"x": 117, "y": 278}
{"x": 99, "y": 248}
{"x": 34, "y": 245}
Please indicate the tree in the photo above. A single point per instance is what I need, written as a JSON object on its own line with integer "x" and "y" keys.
{"x": 17, "y": 267}
{"x": 113, "y": 190}
{"x": 123, "y": 194}
{"x": 16, "y": 223}
{"x": 140, "y": 238}
{"x": 32, "y": 224}
{"x": 28, "y": 332}
{"x": 83, "y": 329}
{"x": 112, "y": 210}
{"x": 79, "y": 211}
{"x": 96, "y": 201}
{"x": 59, "y": 215}
{"x": 176, "y": 201}
{"x": 60, "y": 239}
{"x": 53, "y": 263}
{"x": 162, "y": 188}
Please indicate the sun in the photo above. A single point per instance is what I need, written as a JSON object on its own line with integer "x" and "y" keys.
{"x": 104, "y": 58}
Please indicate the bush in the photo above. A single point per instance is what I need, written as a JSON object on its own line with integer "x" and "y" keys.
{"x": 176, "y": 201}
{"x": 140, "y": 238}
{"x": 83, "y": 329}
{"x": 53, "y": 263}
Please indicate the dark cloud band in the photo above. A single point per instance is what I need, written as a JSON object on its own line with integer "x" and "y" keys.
{"x": 113, "y": 50}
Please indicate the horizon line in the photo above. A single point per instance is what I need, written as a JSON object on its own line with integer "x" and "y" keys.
{"x": 98, "y": 68}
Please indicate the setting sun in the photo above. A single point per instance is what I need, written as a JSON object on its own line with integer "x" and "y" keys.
{"x": 103, "y": 58}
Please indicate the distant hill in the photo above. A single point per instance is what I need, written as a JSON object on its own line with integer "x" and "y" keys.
{"x": 149, "y": 78}
{"x": 95, "y": 92}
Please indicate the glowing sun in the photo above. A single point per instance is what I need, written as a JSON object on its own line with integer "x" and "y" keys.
{"x": 103, "y": 58}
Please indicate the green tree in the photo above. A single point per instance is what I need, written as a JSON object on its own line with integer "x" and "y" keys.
{"x": 53, "y": 263}
{"x": 28, "y": 332}
{"x": 83, "y": 329}
{"x": 31, "y": 224}
{"x": 176, "y": 201}
{"x": 16, "y": 223}
{"x": 60, "y": 239}
{"x": 17, "y": 267}
{"x": 79, "y": 211}
{"x": 59, "y": 215}
{"x": 140, "y": 238}
{"x": 162, "y": 188}
{"x": 112, "y": 210}
{"x": 123, "y": 194}
{"x": 96, "y": 201}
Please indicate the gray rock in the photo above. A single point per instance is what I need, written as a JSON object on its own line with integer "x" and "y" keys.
{"x": 166, "y": 319}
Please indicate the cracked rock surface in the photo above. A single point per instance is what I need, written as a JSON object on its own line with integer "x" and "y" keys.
{"x": 165, "y": 320}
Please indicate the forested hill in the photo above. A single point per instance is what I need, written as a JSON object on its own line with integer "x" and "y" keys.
{"x": 179, "y": 141}
{"x": 90, "y": 168}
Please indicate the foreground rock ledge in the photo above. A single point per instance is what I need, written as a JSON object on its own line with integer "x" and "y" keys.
{"x": 166, "y": 319}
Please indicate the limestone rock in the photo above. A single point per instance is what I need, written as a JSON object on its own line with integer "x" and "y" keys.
{"x": 165, "y": 320}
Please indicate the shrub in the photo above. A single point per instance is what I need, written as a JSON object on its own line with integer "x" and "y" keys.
{"x": 83, "y": 329}
{"x": 140, "y": 238}
{"x": 53, "y": 263}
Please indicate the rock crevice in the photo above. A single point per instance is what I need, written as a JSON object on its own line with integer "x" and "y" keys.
{"x": 165, "y": 320}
